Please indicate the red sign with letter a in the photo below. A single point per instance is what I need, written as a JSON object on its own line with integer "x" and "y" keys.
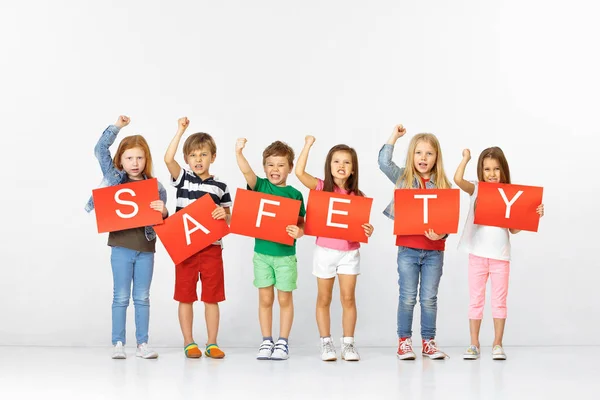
{"x": 418, "y": 210}
{"x": 338, "y": 216}
{"x": 191, "y": 229}
{"x": 126, "y": 206}
{"x": 264, "y": 216}
{"x": 508, "y": 206}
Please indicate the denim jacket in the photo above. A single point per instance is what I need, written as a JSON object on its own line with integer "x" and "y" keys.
{"x": 113, "y": 176}
{"x": 393, "y": 172}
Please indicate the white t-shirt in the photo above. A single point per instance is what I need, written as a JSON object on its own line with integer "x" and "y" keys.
{"x": 481, "y": 240}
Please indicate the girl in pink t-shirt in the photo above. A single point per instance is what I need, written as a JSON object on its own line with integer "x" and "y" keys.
{"x": 335, "y": 256}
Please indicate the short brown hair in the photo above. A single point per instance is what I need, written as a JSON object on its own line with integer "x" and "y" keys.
{"x": 132, "y": 142}
{"x": 279, "y": 149}
{"x": 198, "y": 140}
{"x": 495, "y": 153}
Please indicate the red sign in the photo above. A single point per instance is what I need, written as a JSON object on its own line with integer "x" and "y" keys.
{"x": 126, "y": 206}
{"x": 508, "y": 206}
{"x": 191, "y": 229}
{"x": 264, "y": 216}
{"x": 338, "y": 216}
{"x": 418, "y": 210}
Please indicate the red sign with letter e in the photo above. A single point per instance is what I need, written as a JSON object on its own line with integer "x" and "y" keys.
{"x": 418, "y": 210}
{"x": 338, "y": 216}
{"x": 126, "y": 206}
{"x": 191, "y": 229}
{"x": 508, "y": 206}
{"x": 264, "y": 216}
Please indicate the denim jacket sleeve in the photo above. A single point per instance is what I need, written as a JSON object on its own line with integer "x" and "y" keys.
{"x": 102, "y": 152}
{"x": 387, "y": 166}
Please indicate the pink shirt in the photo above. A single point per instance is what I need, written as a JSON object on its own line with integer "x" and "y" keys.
{"x": 336, "y": 244}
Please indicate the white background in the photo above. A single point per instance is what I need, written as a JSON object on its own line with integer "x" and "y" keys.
{"x": 520, "y": 75}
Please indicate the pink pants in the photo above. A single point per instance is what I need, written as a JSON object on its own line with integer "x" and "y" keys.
{"x": 479, "y": 270}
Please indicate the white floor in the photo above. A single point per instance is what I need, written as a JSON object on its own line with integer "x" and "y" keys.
{"x": 90, "y": 373}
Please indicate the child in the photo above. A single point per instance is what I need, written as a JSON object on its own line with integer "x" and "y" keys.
{"x": 489, "y": 251}
{"x": 132, "y": 253}
{"x": 199, "y": 151}
{"x": 274, "y": 263}
{"x": 335, "y": 256}
{"x": 420, "y": 257}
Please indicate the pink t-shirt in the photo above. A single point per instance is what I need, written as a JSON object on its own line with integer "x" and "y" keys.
{"x": 336, "y": 244}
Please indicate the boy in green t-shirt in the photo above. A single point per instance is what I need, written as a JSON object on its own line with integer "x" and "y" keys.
{"x": 274, "y": 263}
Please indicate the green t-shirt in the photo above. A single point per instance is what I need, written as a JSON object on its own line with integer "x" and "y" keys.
{"x": 272, "y": 248}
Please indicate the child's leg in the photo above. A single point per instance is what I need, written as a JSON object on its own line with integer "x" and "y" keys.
{"x": 479, "y": 270}
{"x": 286, "y": 313}
{"x": 266, "y": 297}
{"x": 186, "y": 280}
{"x": 142, "y": 278}
{"x": 186, "y": 321}
{"x": 213, "y": 289}
{"x": 121, "y": 260}
{"x": 431, "y": 274}
{"x": 286, "y": 275}
{"x": 324, "y": 294}
{"x": 499, "y": 272}
{"x": 408, "y": 281}
{"x": 212, "y": 315}
{"x": 348, "y": 300}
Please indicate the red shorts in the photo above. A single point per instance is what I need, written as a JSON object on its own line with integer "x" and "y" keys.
{"x": 207, "y": 265}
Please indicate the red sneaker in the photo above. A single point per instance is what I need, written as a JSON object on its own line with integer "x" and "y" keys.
{"x": 430, "y": 350}
{"x": 405, "y": 350}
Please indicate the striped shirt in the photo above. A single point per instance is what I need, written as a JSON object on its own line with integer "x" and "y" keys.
{"x": 190, "y": 188}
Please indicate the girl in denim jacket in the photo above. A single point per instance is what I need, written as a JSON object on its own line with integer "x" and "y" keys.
{"x": 132, "y": 254}
{"x": 420, "y": 257}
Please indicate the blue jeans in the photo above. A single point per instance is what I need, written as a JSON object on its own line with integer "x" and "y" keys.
{"x": 412, "y": 264}
{"x": 130, "y": 265}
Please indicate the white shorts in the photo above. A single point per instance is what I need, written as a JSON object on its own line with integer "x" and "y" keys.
{"x": 329, "y": 262}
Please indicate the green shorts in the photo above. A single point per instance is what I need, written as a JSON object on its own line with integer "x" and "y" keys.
{"x": 280, "y": 271}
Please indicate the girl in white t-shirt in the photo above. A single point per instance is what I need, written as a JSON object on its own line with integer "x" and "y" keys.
{"x": 335, "y": 256}
{"x": 489, "y": 251}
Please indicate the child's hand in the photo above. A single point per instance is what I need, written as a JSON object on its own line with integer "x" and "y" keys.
{"x": 309, "y": 140}
{"x": 431, "y": 235}
{"x": 182, "y": 124}
{"x": 239, "y": 145}
{"x": 122, "y": 121}
{"x": 368, "y": 229}
{"x": 159, "y": 205}
{"x": 399, "y": 131}
{"x": 466, "y": 154}
{"x": 219, "y": 213}
{"x": 540, "y": 210}
{"x": 294, "y": 231}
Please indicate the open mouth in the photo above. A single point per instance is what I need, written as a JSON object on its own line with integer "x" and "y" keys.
{"x": 198, "y": 166}
{"x": 275, "y": 177}
{"x": 341, "y": 172}
{"x": 423, "y": 165}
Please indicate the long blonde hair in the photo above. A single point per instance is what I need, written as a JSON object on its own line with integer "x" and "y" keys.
{"x": 410, "y": 173}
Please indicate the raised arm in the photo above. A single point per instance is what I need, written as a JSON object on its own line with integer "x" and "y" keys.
{"x": 386, "y": 165}
{"x": 245, "y": 167}
{"x": 460, "y": 174}
{"x": 172, "y": 165}
{"x": 307, "y": 179}
{"x": 101, "y": 150}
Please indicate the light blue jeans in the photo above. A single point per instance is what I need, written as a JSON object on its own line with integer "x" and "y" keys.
{"x": 127, "y": 266}
{"x": 412, "y": 265}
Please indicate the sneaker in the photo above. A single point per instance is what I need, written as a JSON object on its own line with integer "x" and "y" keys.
{"x": 265, "y": 350}
{"x": 119, "y": 352}
{"x": 349, "y": 352}
{"x": 430, "y": 350}
{"x": 498, "y": 353}
{"x": 405, "y": 350}
{"x": 327, "y": 349}
{"x": 281, "y": 351}
{"x": 472, "y": 353}
{"x": 145, "y": 352}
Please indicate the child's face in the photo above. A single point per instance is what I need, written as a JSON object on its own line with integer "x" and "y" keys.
{"x": 491, "y": 170}
{"x": 199, "y": 161}
{"x": 341, "y": 165}
{"x": 424, "y": 159}
{"x": 134, "y": 163}
{"x": 277, "y": 169}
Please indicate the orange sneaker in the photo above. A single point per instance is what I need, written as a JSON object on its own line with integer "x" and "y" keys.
{"x": 213, "y": 351}
{"x": 192, "y": 351}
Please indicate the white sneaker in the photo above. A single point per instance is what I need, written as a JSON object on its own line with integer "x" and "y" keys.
{"x": 327, "y": 349}
{"x": 145, "y": 352}
{"x": 349, "y": 352}
{"x": 119, "y": 352}
{"x": 281, "y": 351}
{"x": 265, "y": 350}
{"x": 472, "y": 353}
{"x": 498, "y": 353}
